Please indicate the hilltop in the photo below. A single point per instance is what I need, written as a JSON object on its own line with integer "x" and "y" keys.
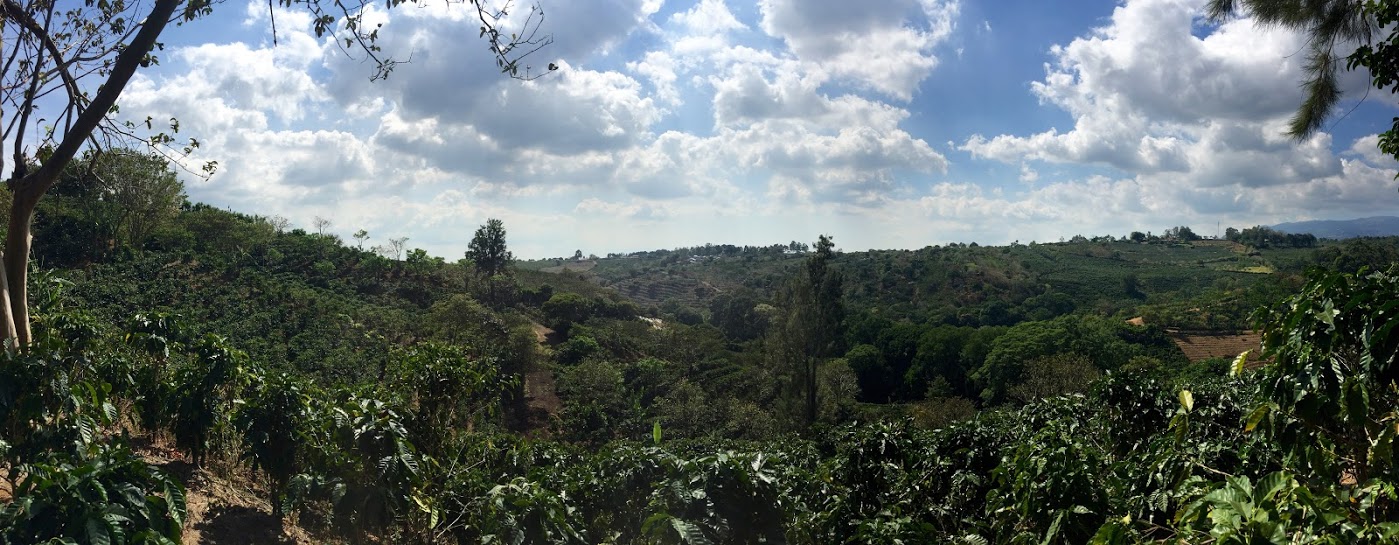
{"x": 1202, "y": 284}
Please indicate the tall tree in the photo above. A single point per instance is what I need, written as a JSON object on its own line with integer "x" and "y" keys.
{"x": 100, "y": 204}
{"x": 487, "y": 249}
{"x": 55, "y": 52}
{"x": 809, "y": 330}
{"x": 1381, "y": 57}
{"x": 144, "y": 188}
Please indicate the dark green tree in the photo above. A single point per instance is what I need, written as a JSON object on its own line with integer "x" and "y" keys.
{"x": 809, "y": 329}
{"x": 737, "y": 317}
{"x": 1351, "y": 255}
{"x": 939, "y": 355}
{"x": 1105, "y": 342}
{"x": 104, "y": 202}
{"x": 487, "y": 249}
{"x": 871, "y": 372}
{"x": 563, "y": 310}
{"x": 143, "y": 187}
{"x": 1182, "y": 233}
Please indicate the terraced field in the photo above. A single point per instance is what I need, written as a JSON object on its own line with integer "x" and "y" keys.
{"x": 684, "y": 289}
{"x": 576, "y": 266}
{"x": 1200, "y": 346}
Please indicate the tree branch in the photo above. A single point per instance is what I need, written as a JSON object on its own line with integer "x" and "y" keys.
{"x": 37, "y": 183}
{"x": 15, "y": 11}
{"x": 27, "y": 107}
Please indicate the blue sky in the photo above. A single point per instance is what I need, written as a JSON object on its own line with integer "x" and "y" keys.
{"x": 888, "y": 124}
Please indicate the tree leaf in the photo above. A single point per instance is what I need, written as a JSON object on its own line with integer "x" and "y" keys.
{"x": 1238, "y": 367}
{"x": 689, "y": 532}
{"x": 1112, "y": 533}
{"x": 97, "y": 532}
{"x": 1270, "y": 485}
{"x": 1053, "y": 528}
{"x": 1256, "y": 416}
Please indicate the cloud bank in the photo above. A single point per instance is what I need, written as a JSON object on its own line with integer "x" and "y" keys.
{"x": 709, "y": 121}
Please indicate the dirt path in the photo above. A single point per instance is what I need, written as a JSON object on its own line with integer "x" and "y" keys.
{"x": 541, "y": 333}
{"x": 540, "y": 394}
{"x": 544, "y": 402}
{"x": 222, "y": 511}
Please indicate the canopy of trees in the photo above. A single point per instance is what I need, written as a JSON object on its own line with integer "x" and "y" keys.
{"x": 487, "y": 249}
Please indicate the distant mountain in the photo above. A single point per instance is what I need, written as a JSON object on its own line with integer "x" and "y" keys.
{"x": 1378, "y": 226}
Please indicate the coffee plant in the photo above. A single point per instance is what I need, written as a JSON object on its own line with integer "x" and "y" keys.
{"x": 1300, "y": 451}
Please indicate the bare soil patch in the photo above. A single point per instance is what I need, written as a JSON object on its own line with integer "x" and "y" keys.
{"x": 544, "y": 335}
{"x": 224, "y": 511}
{"x": 1199, "y": 346}
{"x": 542, "y": 401}
{"x": 576, "y": 266}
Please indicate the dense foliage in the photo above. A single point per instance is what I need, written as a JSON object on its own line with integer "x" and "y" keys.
{"x": 1181, "y": 280}
{"x": 397, "y": 399}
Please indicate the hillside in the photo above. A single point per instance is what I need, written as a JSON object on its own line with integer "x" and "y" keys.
{"x": 971, "y": 285}
{"x": 300, "y": 389}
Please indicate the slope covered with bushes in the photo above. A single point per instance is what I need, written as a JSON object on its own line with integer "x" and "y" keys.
{"x": 382, "y": 398}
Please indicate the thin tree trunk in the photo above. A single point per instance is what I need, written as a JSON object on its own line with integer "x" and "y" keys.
{"x": 6, "y": 310}
{"x": 16, "y": 269}
{"x": 6, "y": 313}
{"x": 27, "y": 191}
{"x": 810, "y": 391}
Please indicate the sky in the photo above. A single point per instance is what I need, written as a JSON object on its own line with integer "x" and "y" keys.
{"x": 884, "y": 123}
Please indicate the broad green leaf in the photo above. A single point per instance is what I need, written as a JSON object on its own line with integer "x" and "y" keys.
{"x": 1256, "y": 416}
{"x": 1053, "y": 528}
{"x": 1112, "y": 533}
{"x": 1270, "y": 485}
{"x": 97, "y": 532}
{"x": 1187, "y": 400}
{"x": 689, "y": 532}
{"x": 1238, "y": 367}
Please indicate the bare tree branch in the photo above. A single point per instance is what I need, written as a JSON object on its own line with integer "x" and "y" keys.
{"x": 41, "y": 33}
{"x": 123, "y": 68}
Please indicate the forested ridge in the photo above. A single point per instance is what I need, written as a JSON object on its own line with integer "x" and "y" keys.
{"x": 804, "y": 395}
